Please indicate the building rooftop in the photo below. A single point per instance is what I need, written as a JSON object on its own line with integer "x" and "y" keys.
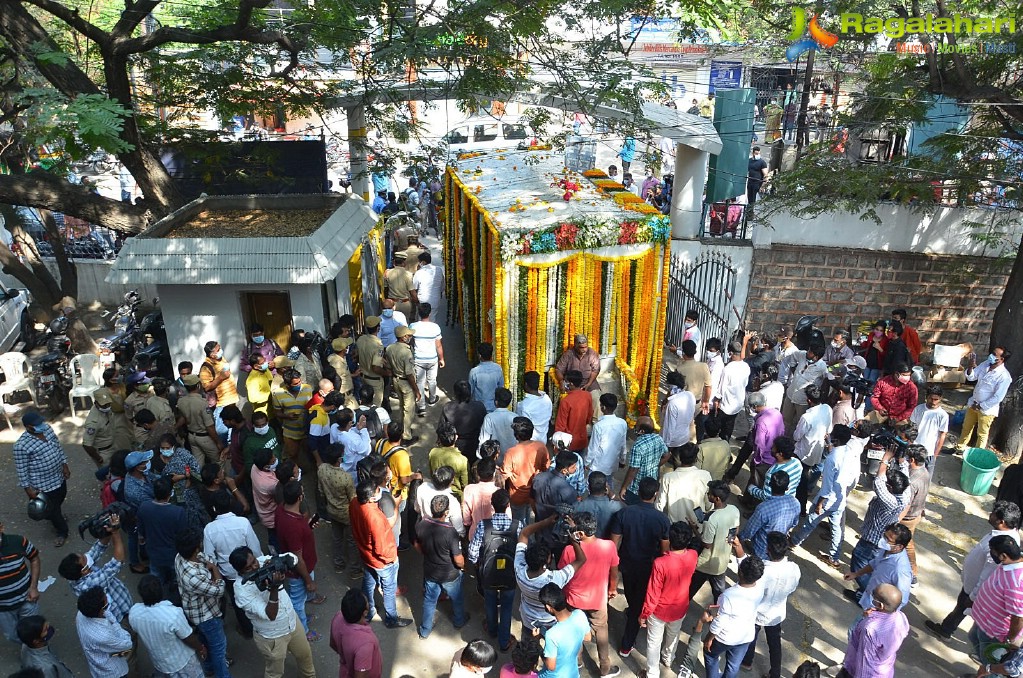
{"x": 248, "y": 239}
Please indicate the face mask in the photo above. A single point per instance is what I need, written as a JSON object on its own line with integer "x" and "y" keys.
{"x": 142, "y": 388}
{"x": 388, "y": 313}
{"x": 264, "y": 367}
{"x": 49, "y": 634}
{"x": 688, "y": 325}
{"x": 878, "y": 333}
{"x": 712, "y": 354}
{"x": 104, "y": 410}
{"x": 299, "y": 476}
{"x": 295, "y": 388}
{"x": 88, "y": 562}
{"x": 164, "y": 452}
{"x": 258, "y": 339}
{"x": 904, "y": 378}
{"x": 273, "y": 466}
{"x": 992, "y": 358}
{"x": 218, "y": 355}
{"x": 836, "y": 344}
{"x": 149, "y": 465}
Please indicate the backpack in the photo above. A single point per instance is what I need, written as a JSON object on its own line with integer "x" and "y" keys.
{"x": 496, "y": 569}
{"x": 373, "y": 426}
{"x": 364, "y": 465}
{"x": 211, "y": 396}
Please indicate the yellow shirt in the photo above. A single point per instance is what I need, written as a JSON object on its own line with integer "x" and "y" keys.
{"x": 258, "y": 386}
{"x": 319, "y": 425}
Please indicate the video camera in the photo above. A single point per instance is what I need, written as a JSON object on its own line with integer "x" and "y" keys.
{"x": 889, "y": 440}
{"x": 278, "y": 563}
{"x": 561, "y": 531}
{"x": 99, "y": 525}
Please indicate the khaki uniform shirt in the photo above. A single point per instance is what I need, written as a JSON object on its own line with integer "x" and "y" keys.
{"x": 399, "y": 282}
{"x": 697, "y": 376}
{"x": 193, "y": 408}
{"x": 400, "y": 355}
{"x": 412, "y": 253}
{"x": 371, "y": 350}
{"x": 400, "y": 237}
{"x": 344, "y": 376}
{"x": 160, "y": 408}
{"x": 99, "y": 430}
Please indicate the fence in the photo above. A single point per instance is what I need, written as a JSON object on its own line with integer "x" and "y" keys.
{"x": 707, "y": 286}
{"x": 725, "y": 220}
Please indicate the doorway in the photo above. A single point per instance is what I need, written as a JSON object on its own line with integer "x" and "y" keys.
{"x": 272, "y": 310}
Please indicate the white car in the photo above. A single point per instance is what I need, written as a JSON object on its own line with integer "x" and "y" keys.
{"x": 488, "y": 133}
{"x": 15, "y": 322}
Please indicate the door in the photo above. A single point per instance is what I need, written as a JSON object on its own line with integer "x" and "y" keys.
{"x": 272, "y": 310}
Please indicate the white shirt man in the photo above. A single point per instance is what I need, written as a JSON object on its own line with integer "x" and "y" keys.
{"x": 163, "y": 628}
{"x": 992, "y": 385}
{"x": 811, "y": 434}
{"x": 802, "y": 373}
{"x": 774, "y": 394}
{"x": 426, "y": 494}
{"x": 223, "y": 535}
{"x": 538, "y": 409}
{"x": 780, "y": 580}
{"x": 682, "y": 491}
{"x": 679, "y": 411}
{"x": 607, "y": 444}
{"x": 732, "y": 387}
{"x": 497, "y": 426}
{"x": 931, "y": 425}
{"x": 429, "y": 284}
{"x": 716, "y": 364}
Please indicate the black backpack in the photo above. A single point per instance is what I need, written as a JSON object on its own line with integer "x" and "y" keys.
{"x": 373, "y": 426}
{"x": 362, "y": 468}
{"x": 496, "y": 570}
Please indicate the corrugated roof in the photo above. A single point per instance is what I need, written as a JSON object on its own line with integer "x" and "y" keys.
{"x": 153, "y": 259}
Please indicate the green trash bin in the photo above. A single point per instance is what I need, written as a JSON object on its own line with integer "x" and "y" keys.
{"x": 979, "y": 469}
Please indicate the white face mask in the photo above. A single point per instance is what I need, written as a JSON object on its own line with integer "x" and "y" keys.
{"x": 299, "y": 476}
{"x": 836, "y": 344}
{"x": 104, "y": 410}
{"x": 712, "y": 354}
{"x": 688, "y": 324}
{"x": 273, "y": 466}
{"x": 167, "y": 453}
{"x": 218, "y": 355}
{"x": 262, "y": 430}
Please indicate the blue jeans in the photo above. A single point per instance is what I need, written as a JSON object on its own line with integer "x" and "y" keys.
{"x": 499, "y": 620}
{"x": 430, "y": 596}
{"x": 220, "y": 425}
{"x": 387, "y": 576}
{"x": 9, "y": 619}
{"x": 521, "y": 514}
{"x": 861, "y": 555}
{"x": 836, "y": 516}
{"x": 979, "y": 640}
{"x": 212, "y": 632}
{"x": 733, "y": 655}
{"x": 297, "y": 593}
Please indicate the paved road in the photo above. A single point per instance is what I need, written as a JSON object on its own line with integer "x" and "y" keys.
{"x": 816, "y": 627}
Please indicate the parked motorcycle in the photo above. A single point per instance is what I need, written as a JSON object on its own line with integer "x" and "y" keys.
{"x": 97, "y": 162}
{"x": 121, "y": 344}
{"x": 141, "y": 346}
{"x": 53, "y": 378}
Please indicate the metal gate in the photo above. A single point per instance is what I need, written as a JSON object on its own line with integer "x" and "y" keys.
{"x": 707, "y": 286}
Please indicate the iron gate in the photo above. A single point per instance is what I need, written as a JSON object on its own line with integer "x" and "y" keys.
{"x": 707, "y": 286}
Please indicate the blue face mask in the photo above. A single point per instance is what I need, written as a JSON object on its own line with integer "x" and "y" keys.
{"x": 149, "y": 465}
{"x": 258, "y": 339}
{"x": 387, "y": 312}
{"x": 992, "y": 358}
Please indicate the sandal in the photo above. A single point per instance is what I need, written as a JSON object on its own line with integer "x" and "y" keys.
{"x": 312, "y": 636}
{"x": 318, "y": 600}
{"x": 139, "y": 569}
{"x": 59, "y": 541}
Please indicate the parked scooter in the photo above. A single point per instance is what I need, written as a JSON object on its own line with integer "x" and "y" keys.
{"x": 121, "y": 344}
{"x": 53, "y": 379}
{"x": 152, "y": 355}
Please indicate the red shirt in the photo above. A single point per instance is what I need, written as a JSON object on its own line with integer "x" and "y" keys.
{"x": 372, "y": 534}
{"x": 574, "y": 412}
{"x": 667, "y": 595}
{"x": 587, "y": 590}
{"x": 521, "y": 463}
{"x": 912, "y": 341}
{"x": 295, "y": 535}
{"x": 358, "y": 647}
{"x": 317, "y": 399}
{"x": 896, "y": 398}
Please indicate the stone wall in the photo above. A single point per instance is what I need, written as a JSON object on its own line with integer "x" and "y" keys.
{"x": 949, "y": 299}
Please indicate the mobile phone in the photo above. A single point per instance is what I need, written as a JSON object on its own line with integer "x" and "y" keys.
{"x": 699, "y": 514}
{"x": 315, "y": 519}
{"x": 713, "y": 610}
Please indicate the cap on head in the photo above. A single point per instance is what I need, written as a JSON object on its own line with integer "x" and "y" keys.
{"x": 372, "y": 321}
{"x": 136, "y": 458}
{"x": 32, "y": 419}
{"x": 341, "y": 343}
{"x": 102, "y": 397}
{"x": 402, "y": 255}
{"x": 136, "y": 378}
{"x": 857, "y": 361}
{"x": 190, "y": 379}
{"x": 401, "y": 331}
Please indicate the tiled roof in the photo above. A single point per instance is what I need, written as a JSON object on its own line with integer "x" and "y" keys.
{"x": 153, "y": 259}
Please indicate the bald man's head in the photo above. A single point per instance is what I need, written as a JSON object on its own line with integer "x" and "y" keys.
{"x": 644, "y": 425}
{"x": 890, "y": 596}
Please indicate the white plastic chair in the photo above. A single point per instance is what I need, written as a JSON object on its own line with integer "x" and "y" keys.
{"x": 17, "y": 377}
{"x": 86, "y": 373}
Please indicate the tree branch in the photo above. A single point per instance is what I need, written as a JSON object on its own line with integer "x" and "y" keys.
{"x": 169, "y": 34}
{"x": 72, "y": 18}
{"x": 134, "y": 14}
{"x": 40, "y": 189}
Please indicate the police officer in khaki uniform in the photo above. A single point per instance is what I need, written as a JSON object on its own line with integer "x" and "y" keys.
{"x": 202, "y": 435}
{"x": 343, "y": 384}
{"x": 371, "y": 363}
{"x": 100, "y": 428}
{"x": 399, "y": 284}
{"x": 412, "y": 253}
{"x": 142, "y": 397}
{"x": 403, "y": 367}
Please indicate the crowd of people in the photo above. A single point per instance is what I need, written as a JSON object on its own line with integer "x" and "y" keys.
{"x": 549, "y": 510}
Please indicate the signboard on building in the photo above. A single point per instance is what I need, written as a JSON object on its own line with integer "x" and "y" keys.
{"x": 725, "y": 75}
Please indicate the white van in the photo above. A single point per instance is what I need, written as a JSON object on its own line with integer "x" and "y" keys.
{"x": 486, "y": 132}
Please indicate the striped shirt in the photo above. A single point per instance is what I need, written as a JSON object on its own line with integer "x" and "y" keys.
{"x": 883, "y": 510}
{"x": 200, "y": 594}
{"x": 15, "y": 575}
{"x": 293, "y": 404}
{"x": 793, "y": 468}
{"x": 101, "y": 638}
{"x": 999, "y": 598}
{"x": 645, "y": 455}
{"x": 873, "y": 643}
{"x": 39, "y": 463}
{"x": 162, "y": 628}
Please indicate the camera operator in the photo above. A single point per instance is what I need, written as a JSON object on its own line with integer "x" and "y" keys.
{"x": 83, "y": 574}
{"x": 552, "y": 488}
{"x": 275, "y": 626}
{"x": 891, "y": 495}
{"x": 534, "y": 568}
{"x": 895, "y": 396}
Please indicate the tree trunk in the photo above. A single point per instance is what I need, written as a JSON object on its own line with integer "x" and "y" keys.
{"x": 78, "y": 333}
{"x": 65, "y": 267}
{"x": 48, "y": 191}
{"x": 43, "y": 297}
{"x": 1007, "y": 331}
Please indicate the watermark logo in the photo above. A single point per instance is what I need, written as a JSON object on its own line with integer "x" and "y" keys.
{"x": 807, "y": 35}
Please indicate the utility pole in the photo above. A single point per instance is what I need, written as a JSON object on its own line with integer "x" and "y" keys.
{"x": 802, "y": 131}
